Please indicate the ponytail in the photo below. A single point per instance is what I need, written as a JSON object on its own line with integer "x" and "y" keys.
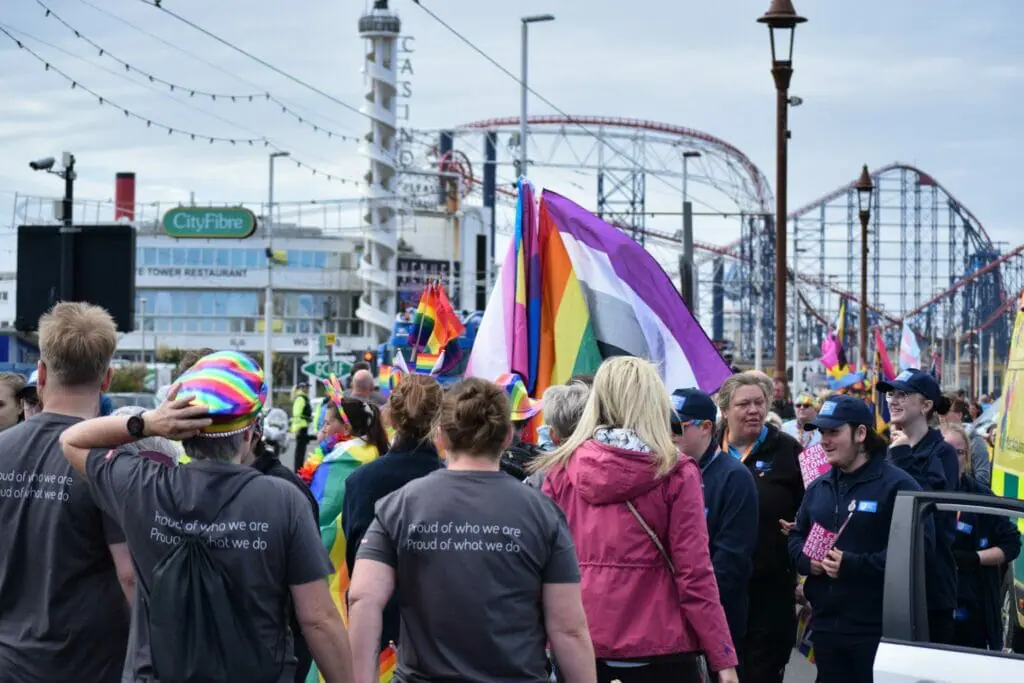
{"x": 365, "y": 422}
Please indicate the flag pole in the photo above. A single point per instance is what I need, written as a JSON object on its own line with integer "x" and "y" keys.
{"x": 419, "y": 324}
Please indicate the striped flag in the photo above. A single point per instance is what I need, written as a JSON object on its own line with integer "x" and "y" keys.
{"x": 436, "y": 331}
{"x": 883, "y": 372}
{"x": 575, "y": 290}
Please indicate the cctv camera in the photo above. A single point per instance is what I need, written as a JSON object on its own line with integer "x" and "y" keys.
{"x": 42, "y": 164}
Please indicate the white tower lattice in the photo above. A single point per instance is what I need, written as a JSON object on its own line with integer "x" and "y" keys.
{"x": 377, "y": 270}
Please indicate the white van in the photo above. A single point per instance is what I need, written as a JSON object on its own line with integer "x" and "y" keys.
{"x": 905, "y": 655}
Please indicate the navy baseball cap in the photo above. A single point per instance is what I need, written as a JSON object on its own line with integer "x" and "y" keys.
{"x": 693, "y": 404}
{"x": 914, "y": 381}
{"x": 841, "y": 410}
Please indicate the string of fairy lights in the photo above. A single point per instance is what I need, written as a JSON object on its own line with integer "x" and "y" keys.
{"x": 103, "y": 100}
{"x": 193, "y": 92}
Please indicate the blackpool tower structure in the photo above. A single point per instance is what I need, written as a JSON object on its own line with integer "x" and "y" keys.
{"x": 380, "y": 30}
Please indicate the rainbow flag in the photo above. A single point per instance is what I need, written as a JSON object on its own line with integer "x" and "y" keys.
{"x": 423, "y": 319}
{"x": 388, "y": 662}
{"x": 328, "y": 486}
{"x": 436, "y": 332}
{"x": 575, "y": 290}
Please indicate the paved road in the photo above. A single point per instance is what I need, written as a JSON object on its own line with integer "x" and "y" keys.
{"x": 800, "y": 670}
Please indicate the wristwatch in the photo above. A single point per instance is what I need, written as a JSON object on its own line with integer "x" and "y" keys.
{"x": 137, "y": 426}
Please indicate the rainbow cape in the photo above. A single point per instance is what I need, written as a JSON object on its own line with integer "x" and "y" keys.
{"x": 574, "y": 290}
{"x": 327, "y": 483}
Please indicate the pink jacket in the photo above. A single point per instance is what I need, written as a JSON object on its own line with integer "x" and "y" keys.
{"x": 634, "y": 606}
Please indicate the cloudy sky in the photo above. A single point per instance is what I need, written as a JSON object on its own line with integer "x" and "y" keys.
{"x": 920, "y": 81}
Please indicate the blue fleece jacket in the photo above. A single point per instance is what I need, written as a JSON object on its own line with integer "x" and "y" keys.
{"x": 933, "y": 464}
{"x": 730, "y": 506}
{"x": 852, "y": 602}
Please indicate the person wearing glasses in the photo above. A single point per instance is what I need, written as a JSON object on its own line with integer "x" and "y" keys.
{"x": 806, "y": 411}
{"x": 914, "y": 399}
{"x": 730, "y": 504}
{"x": 984, "y": 543}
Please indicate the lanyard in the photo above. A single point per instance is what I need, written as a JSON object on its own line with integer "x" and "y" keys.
{"x": 727, "y": 447}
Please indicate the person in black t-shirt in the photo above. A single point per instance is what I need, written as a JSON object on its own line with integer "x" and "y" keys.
{"x": 267, "y": 462}
{"x": 484, "y": 568}
{"x": 63, "y": 612}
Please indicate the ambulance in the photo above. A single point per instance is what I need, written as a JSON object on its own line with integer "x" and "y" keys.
{"x": 1008, "y": 476}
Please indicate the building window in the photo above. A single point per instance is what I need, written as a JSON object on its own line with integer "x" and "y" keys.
{"x": 221, "y": 257}
{"x": 186, "y": 311}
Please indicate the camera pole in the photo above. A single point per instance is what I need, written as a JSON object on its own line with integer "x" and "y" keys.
{"x": 67, "y": 231}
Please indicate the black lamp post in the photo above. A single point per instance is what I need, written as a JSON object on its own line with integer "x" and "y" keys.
{"x": 782, "y": 21}
{"x": 864, "y": 189}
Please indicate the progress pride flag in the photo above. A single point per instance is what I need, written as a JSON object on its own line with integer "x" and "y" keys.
{"x": 813, "y": 463}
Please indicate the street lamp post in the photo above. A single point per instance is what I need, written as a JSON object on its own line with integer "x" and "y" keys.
{"x": 526, "y": 21}
{"x": 687, "y": 284}
{"x": 864, "y": 189}
{"x": 782, "y": 21}
{"x": 268, "y": 300}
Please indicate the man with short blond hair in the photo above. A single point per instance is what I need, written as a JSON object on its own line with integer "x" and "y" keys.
{"x": 65, "y": 570}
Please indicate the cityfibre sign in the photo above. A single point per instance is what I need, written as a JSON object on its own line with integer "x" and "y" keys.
{"x": 209, "y": 223}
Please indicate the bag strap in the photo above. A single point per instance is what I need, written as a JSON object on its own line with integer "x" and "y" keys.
{"x": 654, "y": 537}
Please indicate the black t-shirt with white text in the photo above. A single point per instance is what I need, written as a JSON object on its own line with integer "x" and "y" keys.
{"x": 63, "y": 613}
{"x": 472, "y": 552}
{"x": 265, "y": 538}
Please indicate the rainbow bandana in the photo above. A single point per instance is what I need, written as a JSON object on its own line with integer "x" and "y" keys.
{"x": 230, "y": 385}
{"x": 523, "y": 407}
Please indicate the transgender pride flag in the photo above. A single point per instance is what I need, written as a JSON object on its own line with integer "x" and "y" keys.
{"x": 575, "y": 290}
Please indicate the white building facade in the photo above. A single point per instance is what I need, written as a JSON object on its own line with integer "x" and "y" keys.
{"x": 194, "y": 293}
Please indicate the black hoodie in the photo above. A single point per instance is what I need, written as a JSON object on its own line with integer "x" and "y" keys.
{"x": 780, "y": 490}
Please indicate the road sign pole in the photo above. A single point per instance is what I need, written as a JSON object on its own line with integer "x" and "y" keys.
{"x": 312, "y": 380}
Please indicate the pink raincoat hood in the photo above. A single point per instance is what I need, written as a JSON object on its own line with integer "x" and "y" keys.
{"x": 605, "y": 474}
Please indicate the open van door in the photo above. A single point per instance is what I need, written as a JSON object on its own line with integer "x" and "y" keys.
{"x": 905, "y": 654}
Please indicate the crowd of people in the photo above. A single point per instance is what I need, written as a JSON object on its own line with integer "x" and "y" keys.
{"x": 643, "y": 533}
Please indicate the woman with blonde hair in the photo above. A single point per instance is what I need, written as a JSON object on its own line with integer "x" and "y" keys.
{"x": 636, "y": 513}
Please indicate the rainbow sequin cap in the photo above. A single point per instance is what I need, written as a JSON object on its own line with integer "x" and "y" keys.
{"x": 231, "y": 386}
{"x": 523, "y": 407}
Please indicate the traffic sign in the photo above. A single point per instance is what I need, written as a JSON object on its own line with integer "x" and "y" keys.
{"x": 210, "y": 222}
{"x": 322, "y": 368}
{"x": 325, "y": 342}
